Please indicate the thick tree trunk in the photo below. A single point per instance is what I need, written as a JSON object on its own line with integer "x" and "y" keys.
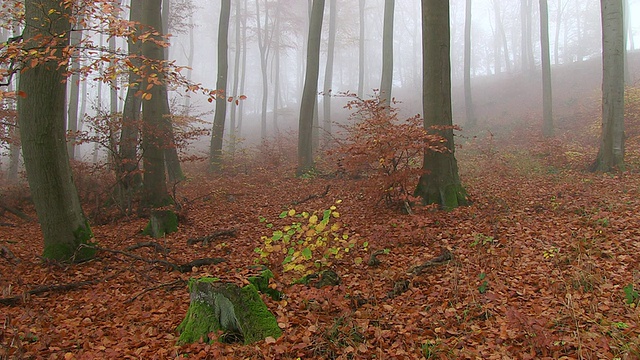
{"x": 74, "y": 96}
{"x": 328, "y": 74}
{"x": 440, "y": 183}
{"x": 217, "y": 134}
{"x": 468, "y": 101}
{"x": 309, "y": 94}
{"x": 154, "y": 114}
{"x": 612, "y": 147}
{"x": 386, "y": 84}
{"x": 547, "y": 99}
{"x": 42, "y": 129}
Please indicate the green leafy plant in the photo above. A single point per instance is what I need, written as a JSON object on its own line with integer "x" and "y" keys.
{"x": 484, "y": 285}
{"x": 631, "y": 295}
{"x": 482, "y": 239}
{"x": 310, "y": 242}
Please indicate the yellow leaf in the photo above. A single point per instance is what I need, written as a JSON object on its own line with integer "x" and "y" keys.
{"x": 335, "y": 227}
{"x": 313, "y": 219}
{"x": 335, "y": 214}
{"x": 292, "y": 212}
{"x": 320, "y": 227}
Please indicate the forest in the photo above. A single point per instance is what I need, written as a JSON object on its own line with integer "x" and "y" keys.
{"x": 320, "y": 179}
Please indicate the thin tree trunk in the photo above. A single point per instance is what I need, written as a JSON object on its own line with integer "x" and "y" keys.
{"x": 264, "y": 55}
{"x": 221, "y": 86}
{"x": 502, "y": 34}
{"x": 309, "y": 95}
{"x": 276, "y": 65}
{"x": 386, "y": 84}
{"x": 190, "y": 58}
{"x": 236, "y": 78}
{"x": 361, "y": 49}
{"x": 74, "y": 96}
{"x": 244, "y": 67}
{"x": 547, "y": 99}
{"x": 328, "y": 74}
{"x": 468, "y": 101}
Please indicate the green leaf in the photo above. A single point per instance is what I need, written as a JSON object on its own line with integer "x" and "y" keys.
{"x": 277, "y": 235}
{"x": 283, "y": 214}
{"x": 631, "y": 295}
{"x": 287, "y": 260}
{"x": 306, "y": 253}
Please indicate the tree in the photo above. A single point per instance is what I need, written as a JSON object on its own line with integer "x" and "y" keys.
{"x": 611, "y": 154}
{"x": 221, "y": 86}
{"x": 263, "y": 45}
{"x": 42, "y": 127}
{"x": 74, "y": 92}
{"x": 310, "y": 91}
{"x": 328, "y": 73}
{"x": 547, "y": 100}
{"x": 440, "y": 183}
{"x": 155, "y": 109}
{"x": 386, "y": 84}
{"x": 361, "y": 48}
{"x": 236, "y": 75}
{"x": 468, "y": 101}
{"x": 128, "y": 169}
{"x": 501, "y": 39}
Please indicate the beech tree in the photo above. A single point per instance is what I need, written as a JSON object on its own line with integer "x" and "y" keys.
{"x": 217, "y": 133}
{"x": 328, "y": 73}
{"x": 41, "y": 115}
{"x": 611, "y": 154}
{"x": 547, "y": 99}
{"x": 386, "y": 83}
{"x": 440, "y": 182}
{"x": 310, "y": 91}
{"x": 468, "y": 100}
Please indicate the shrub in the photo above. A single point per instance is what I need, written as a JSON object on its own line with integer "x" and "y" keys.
{"x": 385, "y": 150}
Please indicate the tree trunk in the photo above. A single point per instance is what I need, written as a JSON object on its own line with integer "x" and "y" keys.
{"x": 309, "y": 94}
{"x": 386, "y": 84}
{"x": 42, "y": 128}
{"x": 217, "y": 134}
{"x": 264, "y": 57}
{"x": 628, "y": 34}
{"x": 328, "y": 74}
{"x": 361, "y": 48}
{"x": 154, "y": 113}
{"x": 74, "y": 96}
{"x": 440, "y": 183}
{"x": 611, "y": 153}
{"x": 502, "y": 35}
{"x": 236, "y": 77}
{"x": 547, "y": 99}
{"x": 276, "y": 64}
{"x": 468, "y": 101}
{"x": 244, "y": 67}
{"x": 129, "y": 170}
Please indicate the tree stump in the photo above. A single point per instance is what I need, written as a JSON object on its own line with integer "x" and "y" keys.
{"x": 239, "y": 313}
{"x": 161, "y": 222}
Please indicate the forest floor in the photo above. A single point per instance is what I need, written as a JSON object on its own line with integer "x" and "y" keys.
{"x": 544, "y": 263}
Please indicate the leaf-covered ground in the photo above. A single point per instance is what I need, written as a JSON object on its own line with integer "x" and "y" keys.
{"x": 544, "y": 263}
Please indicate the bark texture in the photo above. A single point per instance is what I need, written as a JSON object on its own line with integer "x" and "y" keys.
{"x": 217, "y": 134}
{"x": 440, "y": 183}
{"x": 42, "y": 128}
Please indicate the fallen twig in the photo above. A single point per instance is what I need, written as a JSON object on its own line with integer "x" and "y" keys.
{"x": 445, "y": 256}
{"x": 17, "y": 213}
{"x": 177, "y": 267}
{"x": 173, "y": 283}
{"x": 8, "y": 254}
{"x": 152, "y": 244}
{"x": 15, "y": 300}
{"x": 314, "y": 196}
{"x": 206, "y": 239}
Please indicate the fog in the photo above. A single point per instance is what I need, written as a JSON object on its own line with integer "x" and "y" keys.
{"x": 574, "y": 28}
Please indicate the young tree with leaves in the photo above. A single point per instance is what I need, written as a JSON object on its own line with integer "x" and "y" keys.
{"x": 611, "y": 154}
{"x": 440, "y": 183}
{"x": 309, "y": 94}
{"x": 41, "y": 109}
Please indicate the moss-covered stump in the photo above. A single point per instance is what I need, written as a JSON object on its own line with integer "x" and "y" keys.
{"x": 239, "y": 313}
{"x": 161, "y": 222}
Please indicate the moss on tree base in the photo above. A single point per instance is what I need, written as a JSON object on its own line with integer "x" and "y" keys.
{"x": 161, "y": 222}
{"x": 447, "y": 196}
{"x": 77, "y": 251}
{"x": 239, "y": 313}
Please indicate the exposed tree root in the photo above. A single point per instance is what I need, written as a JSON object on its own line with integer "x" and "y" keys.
{"x": 314, "y": 196}
{"x": 206, "y": 239}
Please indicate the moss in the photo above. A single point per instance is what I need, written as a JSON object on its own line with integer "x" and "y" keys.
{"x": 161, "y": 222}
{"x": 261, "y": 282}
{"x": 81, "y": 249}
{"x": 237, "y": 312}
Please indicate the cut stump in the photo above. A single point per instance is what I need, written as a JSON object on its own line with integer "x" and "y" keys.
{"x": 161, "y": 222}
{"x": 238, "y": 313}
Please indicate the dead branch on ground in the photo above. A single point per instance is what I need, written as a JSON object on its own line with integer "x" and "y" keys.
{"x": 313, "y": 196}
{"x": 206, "y": 239}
